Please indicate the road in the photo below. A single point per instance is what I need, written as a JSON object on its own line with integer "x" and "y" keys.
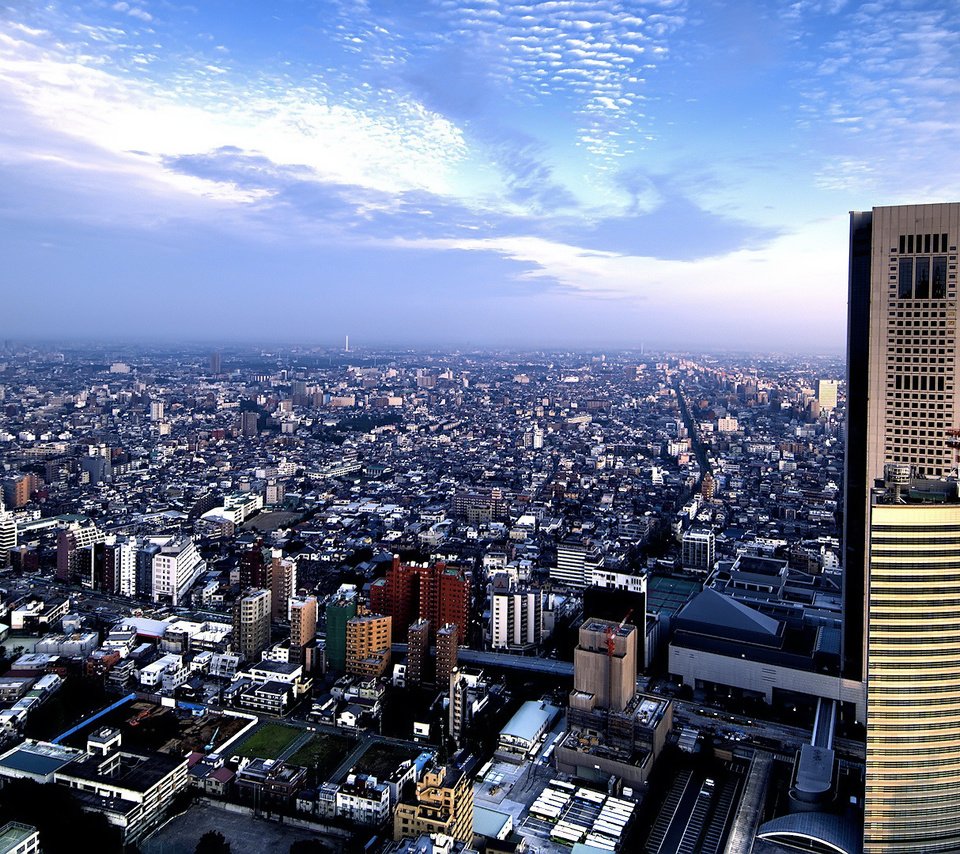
{"x": 528, "y": 663}
{"x": 758, "y": 732}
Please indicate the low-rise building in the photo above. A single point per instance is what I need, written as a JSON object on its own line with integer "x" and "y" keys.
{"x": 363, "y": 799}
{"x": 443, "y": 803}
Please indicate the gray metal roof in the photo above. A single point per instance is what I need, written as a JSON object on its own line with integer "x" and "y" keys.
{"x": 831, "y": 833}
{"x": 530, "y": 720}
{"x": 715, "y": 609}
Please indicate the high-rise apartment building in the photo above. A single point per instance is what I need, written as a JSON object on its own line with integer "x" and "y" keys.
{"x": 443, "y": 803}
{"x": 74, "y": 555}
{"x": 699, "y": 550}
{"x": 576, "y": 560}
{"x": 175, "y": 569}
{"x": 447, "y": 643}
{"x": 340, "y": 609}
{"x": 253, "y": 566}
{"x": 436, "y": 592}
{"x": 516, "y": 616}
{"x": 902, "y": 540}
{"x": 249, "y": 423}
{"x": 303, "y": 626}
{"x": 418, "y": 652}
{"x": 121, "y": 564}
{"x": 8, "y": 535}
{"x": 283, "y": 583}
{"x": 368, "y": 645}
{"x": 251, "y": 623}
{"x": 17, "y": 490}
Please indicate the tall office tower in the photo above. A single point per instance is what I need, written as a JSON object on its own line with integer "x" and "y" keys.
{"x": 699, "y": 550}
{"x": 827, "y": 394}
{"x": 341, "y": 608}
{"x": 283, "y": 582}
{"x": 215, "y": 363}
{"x": 418, "y": 651}
{"x": 438, "y": 593}
{"x": 303, "y": 626}
{"x": 8, "y": 535}
{"x": 251, "y": 623}
{"x": 902, "y": 542}
{"x": 368, "y": 645}
{"x": 156, "y": 410}
{"x": 447, "y": 644}
{"x": 605, "y": 664}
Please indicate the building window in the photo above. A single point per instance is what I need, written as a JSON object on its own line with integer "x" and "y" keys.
{"x": 906, "y": 278}
{"x": 922, "y": 284}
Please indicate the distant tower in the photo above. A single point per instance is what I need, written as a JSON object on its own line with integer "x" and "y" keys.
{"x": 346, "y": 344}
{"x": 215, "y": 364}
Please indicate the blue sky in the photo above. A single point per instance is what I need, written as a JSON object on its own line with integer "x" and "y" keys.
{"x": 579, "y": 173}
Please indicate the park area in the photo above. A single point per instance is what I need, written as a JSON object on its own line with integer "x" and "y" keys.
{"x": 323, "y": 753}
{"x": 320, "y": 752}
{"x": 268, "y": 741}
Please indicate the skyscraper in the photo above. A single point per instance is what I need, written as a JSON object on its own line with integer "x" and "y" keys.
{"x": 902, "y": 523}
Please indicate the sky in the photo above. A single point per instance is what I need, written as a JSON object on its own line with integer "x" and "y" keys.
{"x": 460, "y": 173}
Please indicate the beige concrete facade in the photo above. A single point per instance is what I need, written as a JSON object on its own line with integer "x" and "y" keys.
{"x": 605, "y": 663}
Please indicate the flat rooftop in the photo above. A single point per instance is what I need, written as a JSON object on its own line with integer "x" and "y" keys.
{"x": 39, "y": 758}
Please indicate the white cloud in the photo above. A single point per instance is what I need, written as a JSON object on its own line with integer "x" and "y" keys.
{"x": 70, "y": 95}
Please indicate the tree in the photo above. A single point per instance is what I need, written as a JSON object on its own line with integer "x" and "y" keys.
{"x": 212, "y": 842}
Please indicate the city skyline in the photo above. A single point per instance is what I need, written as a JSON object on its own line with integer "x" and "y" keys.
{"x": 450, "y": 171}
